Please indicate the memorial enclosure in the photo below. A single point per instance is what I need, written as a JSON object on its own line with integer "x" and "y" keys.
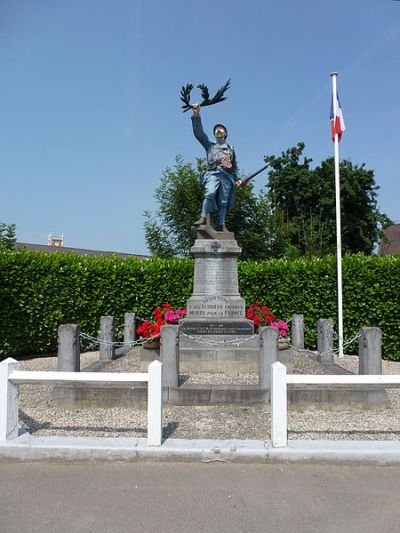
{"x": 39, "y": 291}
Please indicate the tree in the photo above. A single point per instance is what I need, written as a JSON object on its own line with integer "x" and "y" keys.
{"x": 260, "y": 233}
{"x": 305, "y": 198}
{"x": 7, "y": 236}
{"x": 168, "y": 232}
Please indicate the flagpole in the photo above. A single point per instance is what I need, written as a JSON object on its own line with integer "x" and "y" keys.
{"x": 338, "y": 222}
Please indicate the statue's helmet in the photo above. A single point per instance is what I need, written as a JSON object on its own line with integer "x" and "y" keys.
{"x": 221, "y": 126}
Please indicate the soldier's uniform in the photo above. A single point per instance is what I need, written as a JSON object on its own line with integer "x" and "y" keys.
{"x": 220, "y": 176}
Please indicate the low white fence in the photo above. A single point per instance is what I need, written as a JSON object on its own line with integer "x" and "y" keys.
{"x": 280, "y": 380}
{"x": 11, "y": 377}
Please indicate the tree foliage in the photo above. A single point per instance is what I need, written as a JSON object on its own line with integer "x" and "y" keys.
{"x": 305, "y": 198}
{"x": 169, "y": 232}
{"x": 294, "y": 216}
{"x": 7, "y": 235}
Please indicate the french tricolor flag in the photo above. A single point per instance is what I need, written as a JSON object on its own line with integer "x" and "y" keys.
{"x": 337, "y": 121}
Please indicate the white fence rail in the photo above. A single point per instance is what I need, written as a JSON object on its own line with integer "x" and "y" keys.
{"x": 11, "y": 377}
{"x": 280, "y": 380}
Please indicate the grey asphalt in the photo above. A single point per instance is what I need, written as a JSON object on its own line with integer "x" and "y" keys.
{"x": 179, "y": 497}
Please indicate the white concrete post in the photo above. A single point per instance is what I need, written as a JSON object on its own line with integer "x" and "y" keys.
{"x": 8, "y": 401}
{"x": 154, "y": 404}
{"x": 278, "y": 406}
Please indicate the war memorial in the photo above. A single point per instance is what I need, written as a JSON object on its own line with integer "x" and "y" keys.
{"x": 214, "y": 338}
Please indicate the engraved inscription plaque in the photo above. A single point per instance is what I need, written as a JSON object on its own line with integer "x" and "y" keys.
{"x": 216, "y": 306}
{"x": 212, "y": 275}
{"x": 215, "y": 327}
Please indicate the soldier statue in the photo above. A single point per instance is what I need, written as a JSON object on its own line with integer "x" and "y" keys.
{"x": 221, "y": 177}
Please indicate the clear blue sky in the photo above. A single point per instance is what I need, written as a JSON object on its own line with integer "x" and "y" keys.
{"x": 90, "y": 112}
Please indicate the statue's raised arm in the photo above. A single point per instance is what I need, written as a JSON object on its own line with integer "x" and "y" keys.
{"x": 198, "y": 127}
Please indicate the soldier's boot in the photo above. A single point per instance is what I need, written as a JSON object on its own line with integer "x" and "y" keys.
{"x": 221, "y": 219}
{"x": 200, "y": 222}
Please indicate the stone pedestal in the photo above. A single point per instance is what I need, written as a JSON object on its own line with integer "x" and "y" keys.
{"x": 216, "y": 286}
{"x": 216, "y": 336}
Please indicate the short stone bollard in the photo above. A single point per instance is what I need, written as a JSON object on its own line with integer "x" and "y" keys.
{"x": 129, "y": 328}
{"x": 107, "y": 348}
{"x": 169, "y": 355}
{"x": 325, "y": 340}
{"x": 298, "y": 332}
{"x": 370, "y": 351}
{"x": 267, "y": 354}
{"x": 69, "y": 349}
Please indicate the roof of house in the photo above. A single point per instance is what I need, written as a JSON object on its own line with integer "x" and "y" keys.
{"x": 77, "y": 251}
{"x": 390, "y": 242}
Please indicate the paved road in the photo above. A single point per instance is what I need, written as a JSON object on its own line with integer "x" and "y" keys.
{"x": 138, "y": 497}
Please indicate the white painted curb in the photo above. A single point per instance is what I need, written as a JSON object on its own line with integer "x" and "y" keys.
{"x": 27, "y": 447}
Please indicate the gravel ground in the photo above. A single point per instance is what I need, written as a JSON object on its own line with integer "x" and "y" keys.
{"x": 41, "y": 416}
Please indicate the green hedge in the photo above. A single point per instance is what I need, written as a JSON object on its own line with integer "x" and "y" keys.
{"x": 371, "y": 293}
{"x": 40, "y": 291}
